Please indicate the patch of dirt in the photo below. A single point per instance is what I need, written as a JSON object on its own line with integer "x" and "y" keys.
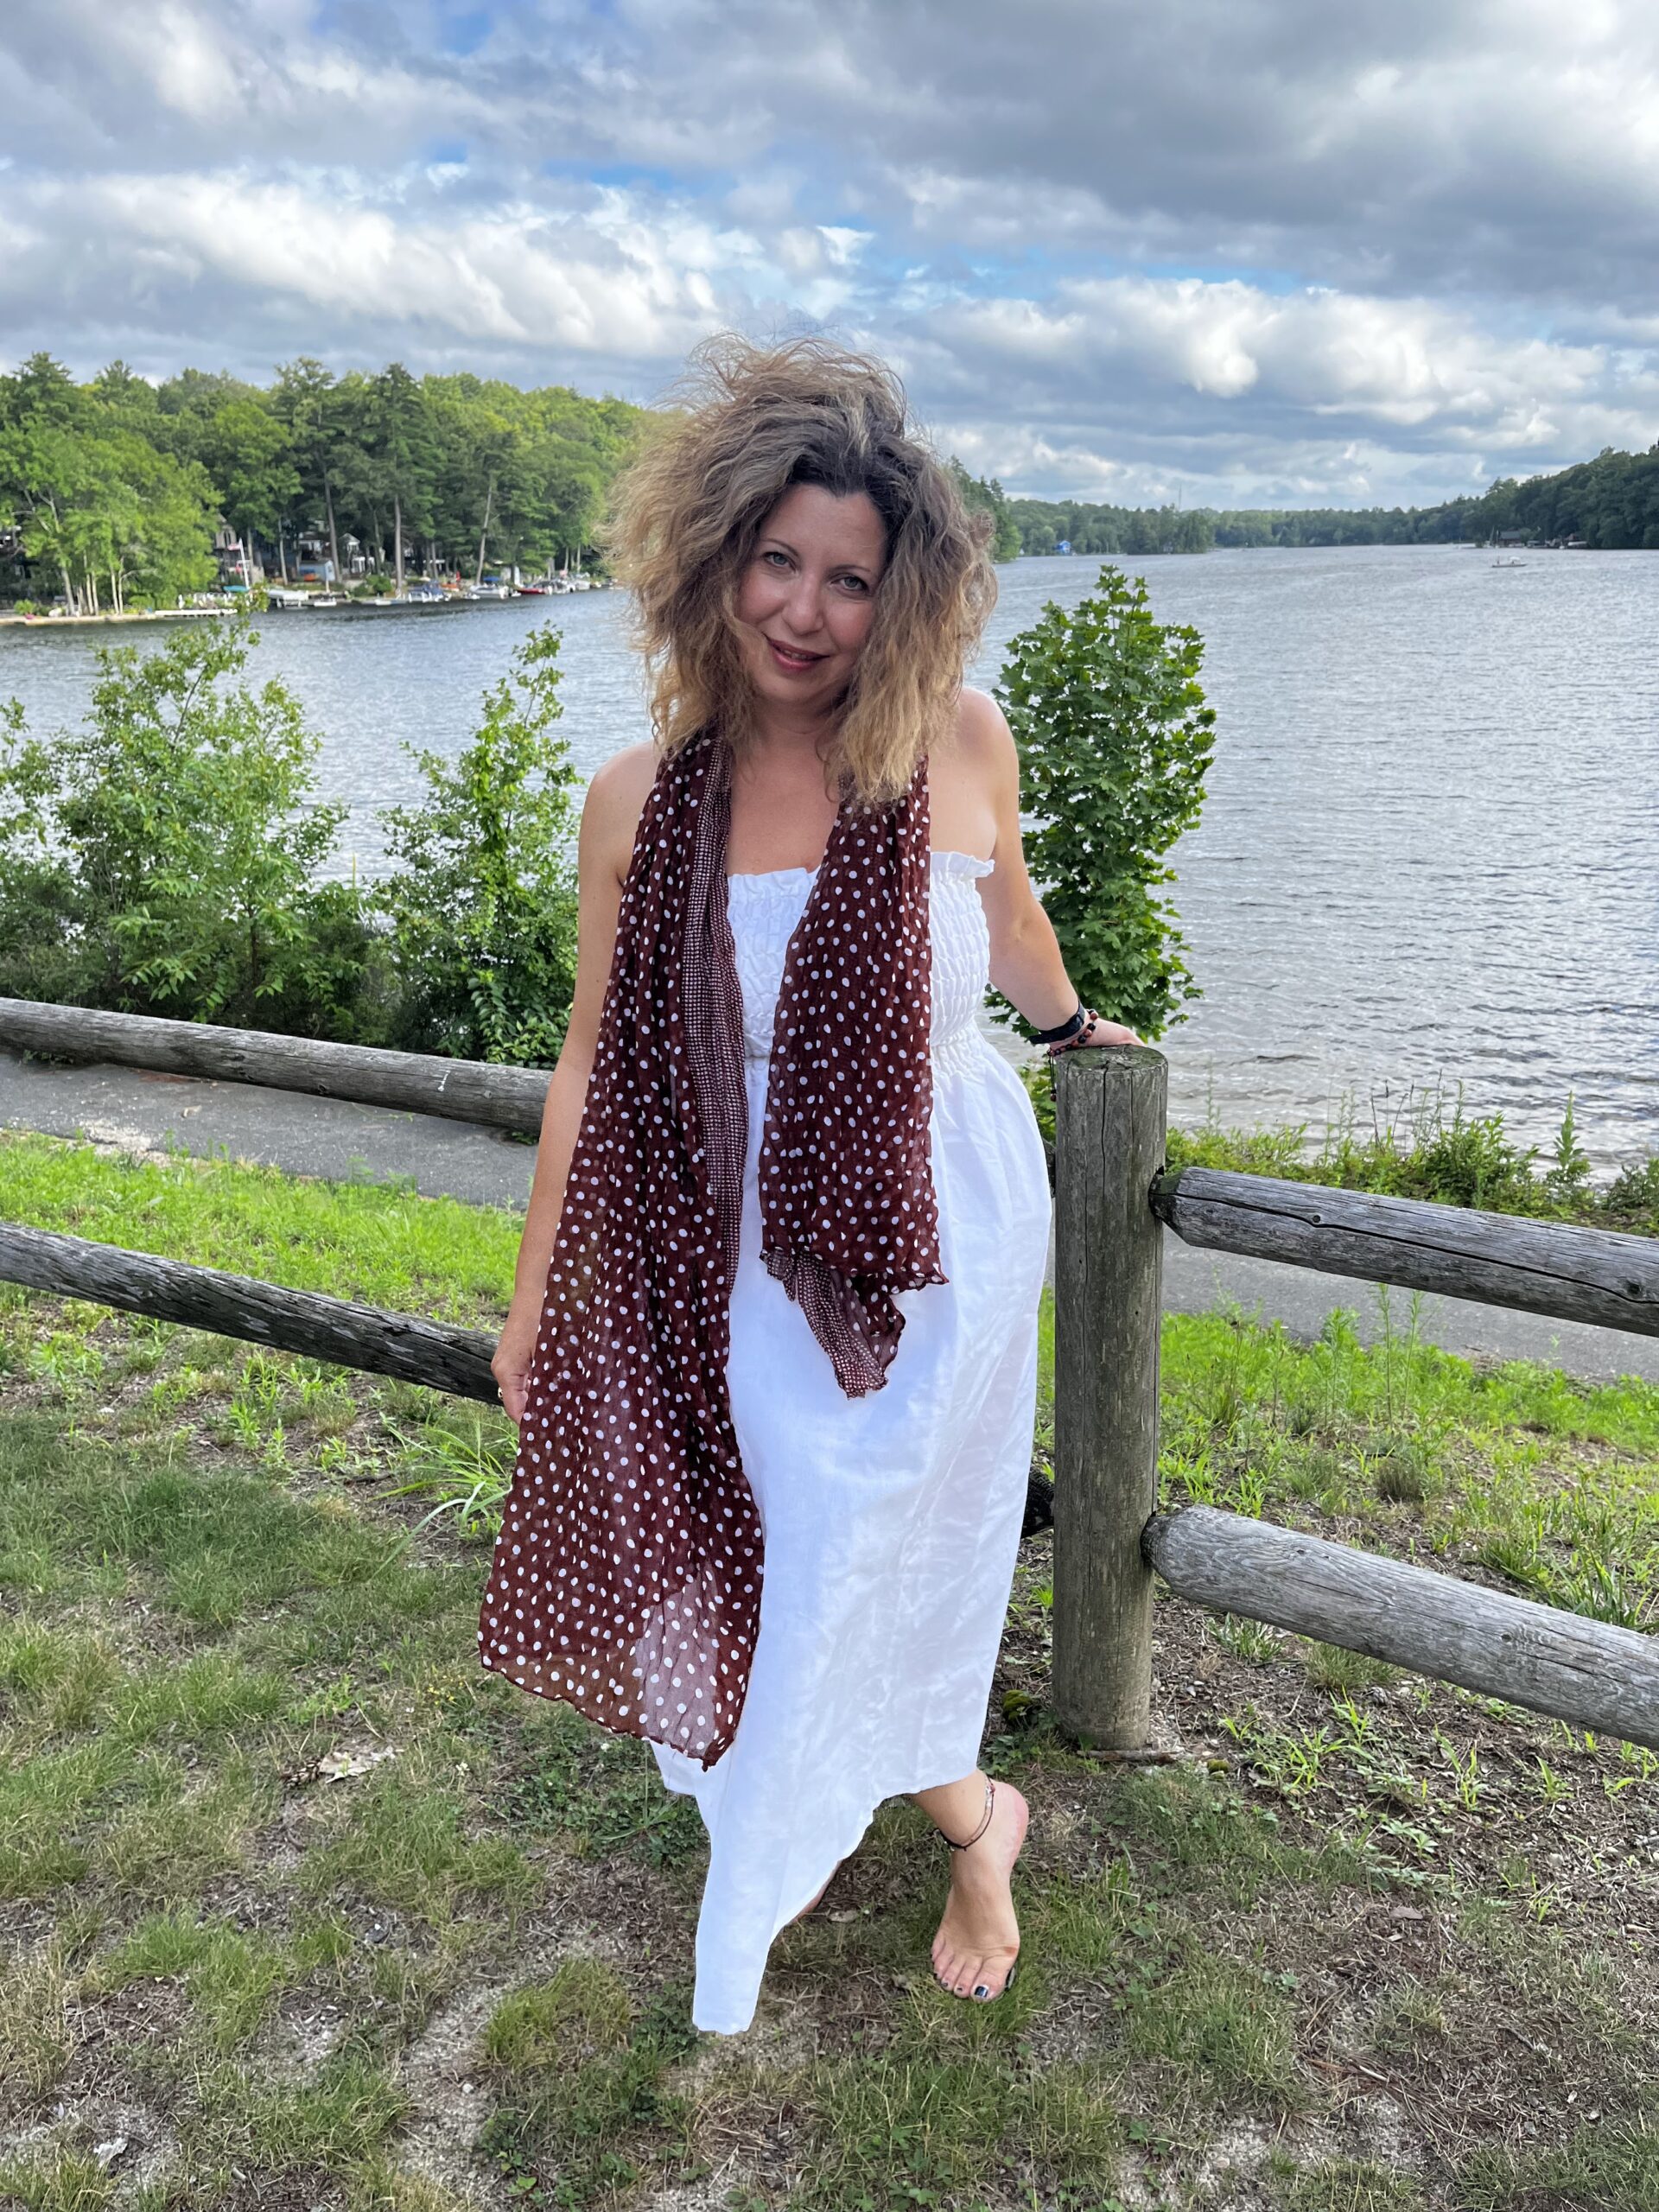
{"x": 131, "y": 2142}
{"x": 300, "y": 2034}
{"x": 1365, "y": 1964}
{"x": 713, "y": 2193}
{"x": 451, "y": 2105}
{"x": 1429, "y": 2031}
{"x": 439, "y": 2069}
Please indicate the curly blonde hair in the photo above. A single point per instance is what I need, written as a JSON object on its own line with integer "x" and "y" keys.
{"x": 754, "y": 421}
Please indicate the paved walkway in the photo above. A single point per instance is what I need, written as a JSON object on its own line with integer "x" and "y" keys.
{"x": 143, "y": 1112}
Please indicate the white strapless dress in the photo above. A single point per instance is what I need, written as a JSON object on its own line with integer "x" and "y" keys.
{"x": 892, "y": 1522}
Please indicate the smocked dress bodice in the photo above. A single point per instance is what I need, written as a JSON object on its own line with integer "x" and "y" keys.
{"x": 764, "y": 910}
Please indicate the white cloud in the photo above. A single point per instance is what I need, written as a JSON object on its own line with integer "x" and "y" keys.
{"x": 1409, "y": 364}
{"x": 517, "y": 274}
{"x": 1224, "y": 244}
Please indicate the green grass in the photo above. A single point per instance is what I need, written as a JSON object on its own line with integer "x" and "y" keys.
{"x": 283, "y": 1868}
{"x": 389, "y": 1247}
{"x": 1549, "y": 1483}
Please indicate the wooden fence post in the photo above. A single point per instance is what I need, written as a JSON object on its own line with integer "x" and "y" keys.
{"x": 1108, "y": 1145}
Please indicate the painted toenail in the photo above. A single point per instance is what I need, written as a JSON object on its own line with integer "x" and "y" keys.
{"x": 980, "y": 1990}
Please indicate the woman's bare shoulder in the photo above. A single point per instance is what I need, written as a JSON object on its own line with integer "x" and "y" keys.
{"x": 621, "y": 783}
{"x": 982, "y": 726}
{"x": 610, "y": 813}
{"x": 981, "y": 748}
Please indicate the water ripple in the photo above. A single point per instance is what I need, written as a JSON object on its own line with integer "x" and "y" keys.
{"x": 1429, "y": 852}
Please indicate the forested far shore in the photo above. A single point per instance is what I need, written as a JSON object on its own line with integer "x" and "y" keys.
{"x": 121, "y": 495}
{"x": 1610, "y": 503}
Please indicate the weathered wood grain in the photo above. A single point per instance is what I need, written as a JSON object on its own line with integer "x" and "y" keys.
{"x": 1498, "y": 1259}
{"x": 1109, "y": 1107}
{"x": 418, "y": 1083}
{"x": 1586, "y": 1672}
{"x": 337, "y": 1329}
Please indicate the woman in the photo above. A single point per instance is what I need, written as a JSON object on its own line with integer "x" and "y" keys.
{"x": 773, "y": 1348}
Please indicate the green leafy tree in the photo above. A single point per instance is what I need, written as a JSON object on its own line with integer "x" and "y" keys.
{"x": 246, "y": 450}
{"x": 487, "y": 481}
{"x": 124, "y": 395}
{"x": 307, "y": 400}
{"x": 981, "y": 496}
{"x": 400, "y": 440}
{"x": 113, "y": 487}
{"x": 481, "y": 903}
{"x": 106, "y": 512}
{"x": 37, "y": 885}
{"x": 1115, "y": 742}
{"x": 166, "y": 854}
{"x": 98, "y": 501}
{"x": 41, "y": 389}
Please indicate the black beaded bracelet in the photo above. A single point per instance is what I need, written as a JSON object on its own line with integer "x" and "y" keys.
{"x": 1067, "y": 1030}
{"x": 1072, "y": 1043}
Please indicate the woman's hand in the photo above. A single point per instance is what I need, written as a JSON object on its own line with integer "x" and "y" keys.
{"x": 1108, "y": 1033}
{"x": 513, "y": 1353}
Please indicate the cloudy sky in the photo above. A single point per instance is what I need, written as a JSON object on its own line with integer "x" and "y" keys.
{"x": 1245, "y": 251}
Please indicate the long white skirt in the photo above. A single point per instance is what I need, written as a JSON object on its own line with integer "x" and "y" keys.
{"x": 892, "y": 1524}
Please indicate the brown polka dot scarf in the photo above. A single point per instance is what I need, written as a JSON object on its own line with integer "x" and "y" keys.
{"x": 626, "y": 1579}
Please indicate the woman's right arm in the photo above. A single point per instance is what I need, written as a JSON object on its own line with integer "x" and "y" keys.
{"x": 610, "y": 816}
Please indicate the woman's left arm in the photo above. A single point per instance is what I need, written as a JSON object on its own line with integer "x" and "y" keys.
{"x": 1026, "y": 963}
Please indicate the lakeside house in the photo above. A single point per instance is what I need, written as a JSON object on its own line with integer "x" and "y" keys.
{"x": 237, "y": 564}
{"x": 314, "y": 563}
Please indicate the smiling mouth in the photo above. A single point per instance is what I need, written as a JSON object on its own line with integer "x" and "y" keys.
{"x": 786, "y": 657}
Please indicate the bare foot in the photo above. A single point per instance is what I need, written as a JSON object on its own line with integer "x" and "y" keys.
{"x": 979, "y": 1937}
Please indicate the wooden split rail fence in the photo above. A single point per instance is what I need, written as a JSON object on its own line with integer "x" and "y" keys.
{"x": 1115, "y": 1201}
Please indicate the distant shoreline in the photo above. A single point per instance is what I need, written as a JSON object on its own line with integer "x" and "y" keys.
{"x": 91, "y": 621}
{"x": 371, "y": 605}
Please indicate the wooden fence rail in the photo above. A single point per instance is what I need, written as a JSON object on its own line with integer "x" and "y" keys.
{"x": 417, "y": 1083}
{"x": 1540, "y": 1267}
{"x": 1588, "y": 1672}
{"x": 1113, "y": 1201}
{"x": 337, "y": 1329}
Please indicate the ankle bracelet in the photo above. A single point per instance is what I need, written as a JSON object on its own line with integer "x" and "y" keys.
{"x": 990, "y": 1804}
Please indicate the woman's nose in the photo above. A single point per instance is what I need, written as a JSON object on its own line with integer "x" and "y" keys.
{"x": 803, "y": 606}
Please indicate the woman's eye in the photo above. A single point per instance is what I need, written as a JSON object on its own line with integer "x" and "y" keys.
{"x": 856, "y": 583}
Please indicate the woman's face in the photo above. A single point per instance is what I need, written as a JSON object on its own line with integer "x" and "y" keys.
{"x": 806, "y": 599}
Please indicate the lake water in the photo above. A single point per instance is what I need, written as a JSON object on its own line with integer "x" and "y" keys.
{"x": 1429, "y": 852}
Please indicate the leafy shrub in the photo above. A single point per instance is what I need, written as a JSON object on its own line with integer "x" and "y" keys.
{"x": 1632, "y": 1198}
{"x": 1114, "y": 741}
{"x": 167, "y": 858}
{"x": 37, "y": 886}
{"x": 163, "y": 858}
{"x": 482, "y": 905}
